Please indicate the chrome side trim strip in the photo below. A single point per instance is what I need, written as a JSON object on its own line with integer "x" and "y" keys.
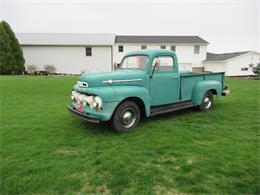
{"x": 121, "y": 81}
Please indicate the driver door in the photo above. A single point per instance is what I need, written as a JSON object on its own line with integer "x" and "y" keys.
{"x": 164, "y": 84}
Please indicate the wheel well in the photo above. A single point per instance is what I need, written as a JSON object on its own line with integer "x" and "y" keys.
{"x": 139, "y": 103}
{"x": 214, "y": 91}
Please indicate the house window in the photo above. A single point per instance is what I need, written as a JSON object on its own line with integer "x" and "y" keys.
{"x": 196, "y": 49}
{"x": 120, "y": 48}
{"x": 244, "y": 69}
{"x": 173, "y": 48}
{"x": 88, "y": 51}
{"x": 163, "y": 46}
{"x": 143, "y": 47}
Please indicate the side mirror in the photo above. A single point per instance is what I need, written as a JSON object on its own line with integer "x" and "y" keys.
{"x": 116, "y": 65}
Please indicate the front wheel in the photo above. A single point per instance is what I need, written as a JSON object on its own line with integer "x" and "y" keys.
{"x": 207, "y": 101}
{"x": 126, "y": 116}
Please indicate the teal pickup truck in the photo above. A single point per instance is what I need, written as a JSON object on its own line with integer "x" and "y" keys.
{"x": 146, "y": 83}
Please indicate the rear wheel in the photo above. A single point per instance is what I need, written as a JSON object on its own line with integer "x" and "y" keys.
{"x": 126, "y": 116}
{"x": 207, "y": 101}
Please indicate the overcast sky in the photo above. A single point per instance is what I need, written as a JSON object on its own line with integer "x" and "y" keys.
{"x": 229, "y": 25}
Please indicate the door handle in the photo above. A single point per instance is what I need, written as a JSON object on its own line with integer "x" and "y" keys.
{"x": 175, "y": 77}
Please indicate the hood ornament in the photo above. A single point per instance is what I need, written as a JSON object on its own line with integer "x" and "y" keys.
{"x": 82, "y": 84}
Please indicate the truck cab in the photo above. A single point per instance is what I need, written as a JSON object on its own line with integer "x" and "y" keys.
{"x": 146, "y": 83}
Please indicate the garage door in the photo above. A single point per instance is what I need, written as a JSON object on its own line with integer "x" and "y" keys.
{"x": 185, "y": 67}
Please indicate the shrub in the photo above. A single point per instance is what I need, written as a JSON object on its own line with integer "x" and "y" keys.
{"x": 50, "y": 69}
{"x": 31, "y": 68}
{"x": 256, "y": 70}
{"x": 11, "y": 54}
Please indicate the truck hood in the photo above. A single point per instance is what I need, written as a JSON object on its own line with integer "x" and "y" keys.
{"x": 118, "y": 77}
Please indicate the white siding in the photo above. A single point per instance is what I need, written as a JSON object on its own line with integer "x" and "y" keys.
{"x": 185, "y": 53}
{"x": 185, "y": 67}
{"x": 234, "y": 65}
{"x": 215, "y": 66}
{"x": 69, "y": 59}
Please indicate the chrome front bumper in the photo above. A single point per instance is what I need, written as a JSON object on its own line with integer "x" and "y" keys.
{"x": 83, "y": 116}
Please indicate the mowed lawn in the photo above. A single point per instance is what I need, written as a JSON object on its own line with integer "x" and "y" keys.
{"x": 46, "y": 150}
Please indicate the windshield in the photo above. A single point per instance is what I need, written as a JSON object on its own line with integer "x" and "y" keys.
{"x": 134, "y": 62}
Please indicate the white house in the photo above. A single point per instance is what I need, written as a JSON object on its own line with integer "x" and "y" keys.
{"x": 77, "y": 53}
{"x": 191, "y": 50}
{"x": 233, "y": 64}
{"x": 69, "y": 53}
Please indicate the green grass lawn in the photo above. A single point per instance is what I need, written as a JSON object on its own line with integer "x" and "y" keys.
{"x": 46, "y": 150}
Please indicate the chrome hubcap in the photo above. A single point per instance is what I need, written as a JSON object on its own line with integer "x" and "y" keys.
{"x": 128, "y": 119}
{"x": 207, "y": 102}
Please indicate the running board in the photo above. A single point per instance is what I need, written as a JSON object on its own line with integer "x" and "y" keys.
{"x": 156, "y": 110}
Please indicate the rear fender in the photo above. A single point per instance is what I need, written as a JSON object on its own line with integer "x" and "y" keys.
{"x": 202, "y": 87}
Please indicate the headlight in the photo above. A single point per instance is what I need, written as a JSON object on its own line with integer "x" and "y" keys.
{"x": 98, "y": 102}
{"x": 90, "y": 100}
{"x": 94, "y": 102}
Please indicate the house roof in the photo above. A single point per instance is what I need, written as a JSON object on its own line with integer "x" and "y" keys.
{"x": 100, "y": 39}
{"x": 65, "y": 39}
{"x": 160, "y": 39}
{"x": 224, "y": 56}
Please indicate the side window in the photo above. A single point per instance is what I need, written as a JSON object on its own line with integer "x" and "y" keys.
{"x": 164, "y": 63}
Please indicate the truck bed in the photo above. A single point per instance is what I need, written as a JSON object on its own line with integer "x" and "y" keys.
{"x": 189, "y": 79}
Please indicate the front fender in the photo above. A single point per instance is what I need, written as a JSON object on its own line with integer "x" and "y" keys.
{"x": 139, "y": 92}
{"x": 202, "y": 87}
{"x": 117, "y": 94}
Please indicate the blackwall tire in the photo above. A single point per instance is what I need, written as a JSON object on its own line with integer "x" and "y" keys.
{"x": 126, "y": 117}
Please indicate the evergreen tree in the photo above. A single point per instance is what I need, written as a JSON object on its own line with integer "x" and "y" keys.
{"x": 7, "y": 60}
{"x": 18, "y": 66}
{"x": 11, "y": 54}
{"x": 256, "y": 70}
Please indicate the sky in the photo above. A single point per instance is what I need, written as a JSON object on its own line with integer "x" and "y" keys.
{"x": 229, "y": 25}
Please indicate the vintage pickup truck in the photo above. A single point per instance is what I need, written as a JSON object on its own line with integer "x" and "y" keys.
{"x": 145, "y": 83}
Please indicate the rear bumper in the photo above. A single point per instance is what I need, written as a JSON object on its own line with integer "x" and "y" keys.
{"x": 82, "y": 116}
{"x": 226, "y": 91}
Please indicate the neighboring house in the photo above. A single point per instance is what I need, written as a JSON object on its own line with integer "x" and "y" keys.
{"x": 191, "y": 50}
{"x": 69, "y": 53}
{"x": 233, "y": 64}
{"x": 77, "y": 53}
